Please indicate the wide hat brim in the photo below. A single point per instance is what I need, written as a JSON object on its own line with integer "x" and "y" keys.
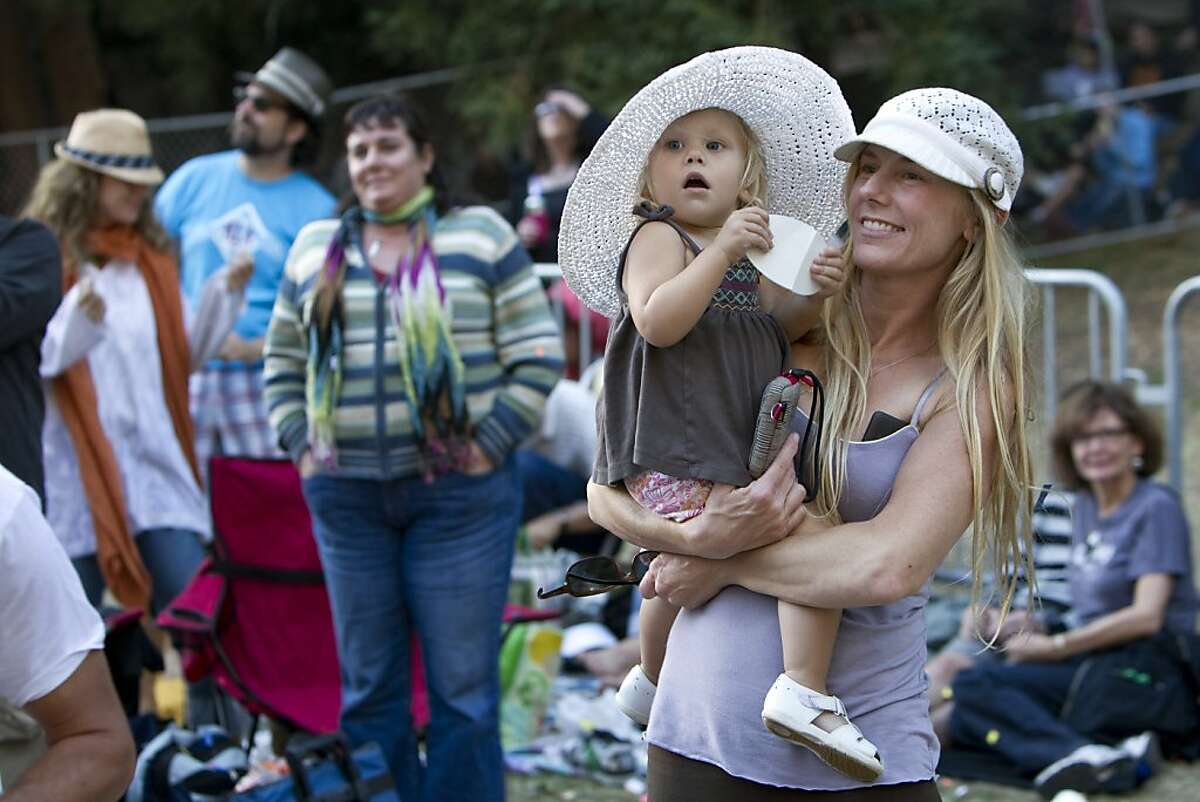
{"x": 107, "y": 164}
{"x": 795, "y": 109}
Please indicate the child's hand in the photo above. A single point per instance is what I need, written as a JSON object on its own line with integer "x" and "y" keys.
{"x": 828, "y": 271}
{"x": 744, "y": 229}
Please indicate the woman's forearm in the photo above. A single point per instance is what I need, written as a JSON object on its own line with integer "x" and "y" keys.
{"x": 1141, "y": 619}
{"x": 821, "y": 566}
{"x": 1114, "y": 629}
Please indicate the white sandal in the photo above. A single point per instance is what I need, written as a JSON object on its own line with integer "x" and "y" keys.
{"x": 636, "y": 695}
{"x": 791, "y": 710}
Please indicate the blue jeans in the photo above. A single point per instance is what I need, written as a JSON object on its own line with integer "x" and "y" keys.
{"x": 546, "y": 487}
{"x": 400, "y": 555}
{"x": 1013, "y": 709}
{"x": 171, "y": 556}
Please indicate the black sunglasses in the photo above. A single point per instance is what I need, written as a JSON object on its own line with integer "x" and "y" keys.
{"x": 261, "y": 103}
{"x": 594, "y": 575}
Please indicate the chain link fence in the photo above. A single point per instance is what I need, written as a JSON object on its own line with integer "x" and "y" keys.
{"x": 176, "y": 139}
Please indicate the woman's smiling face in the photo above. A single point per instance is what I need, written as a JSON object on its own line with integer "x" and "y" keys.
{"x": 903, "y": 218}
{"x": 386, "y": 167}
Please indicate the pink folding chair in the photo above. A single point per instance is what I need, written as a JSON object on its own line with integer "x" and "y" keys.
{"x": 256, "y": 614}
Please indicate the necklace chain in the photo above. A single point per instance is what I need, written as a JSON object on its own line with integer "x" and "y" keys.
{"x": 896, "y": 362}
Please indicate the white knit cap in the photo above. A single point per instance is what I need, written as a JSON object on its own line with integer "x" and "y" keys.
{"x": 795, "y": 109}
{"x": 951, "y": 134}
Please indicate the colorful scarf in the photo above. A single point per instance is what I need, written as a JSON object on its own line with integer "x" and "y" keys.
{"x": 431, "y": 367}
{"x": 75, "y": 395}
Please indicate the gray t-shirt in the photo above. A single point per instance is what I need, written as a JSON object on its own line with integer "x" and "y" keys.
{"x": 1147, "y": 534}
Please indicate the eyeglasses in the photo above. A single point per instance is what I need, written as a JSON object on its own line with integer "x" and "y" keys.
{"x": 594, "y": 575}
{"x": 1099, "y": 436}
{"x": 261, "y": 103}
{"x": 546, "y": 107}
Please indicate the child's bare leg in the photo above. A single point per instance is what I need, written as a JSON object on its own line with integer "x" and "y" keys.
{"x": 654, "y": 625}
{"x": 808, "y": 635}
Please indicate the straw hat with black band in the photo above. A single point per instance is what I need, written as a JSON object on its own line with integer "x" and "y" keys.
{"x": 795, "y": 109}
{"x": 113, "y": 142}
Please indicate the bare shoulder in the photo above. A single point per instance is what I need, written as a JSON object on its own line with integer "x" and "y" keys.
{"x": 992, "y": 410}
{"x": 657, "y": 242}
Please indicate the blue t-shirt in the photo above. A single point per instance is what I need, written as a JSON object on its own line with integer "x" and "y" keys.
{"x": 1147, "y": 534}
{"x": 215, "y": 211}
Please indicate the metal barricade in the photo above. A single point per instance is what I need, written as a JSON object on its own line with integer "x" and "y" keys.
{"x": 1101, "y": 291}
{"x": 1173, "y": 379}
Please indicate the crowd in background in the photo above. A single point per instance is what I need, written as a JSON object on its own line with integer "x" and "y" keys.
{"x": 196, "y": 333}
{"x": 1107, "y": 165}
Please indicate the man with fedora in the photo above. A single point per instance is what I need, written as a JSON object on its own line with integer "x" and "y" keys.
{"x": 248, "y": 203}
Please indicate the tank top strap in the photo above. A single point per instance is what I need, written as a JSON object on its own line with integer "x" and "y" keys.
{"x": 662, "y": 214}
{"x": 651, "y": 214}
{"x": 925, "y": 395}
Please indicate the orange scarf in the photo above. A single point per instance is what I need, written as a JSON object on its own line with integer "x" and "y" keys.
{"x": 75, "y": 394}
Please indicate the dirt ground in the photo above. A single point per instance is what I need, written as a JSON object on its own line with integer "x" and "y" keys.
{"x": 1145, "y": 272}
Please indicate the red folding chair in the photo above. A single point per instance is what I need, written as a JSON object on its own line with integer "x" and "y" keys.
{"x": 256, "y": 615}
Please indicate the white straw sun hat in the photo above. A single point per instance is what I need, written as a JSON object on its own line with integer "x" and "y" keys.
{"x": 114, "y": 142}
{"x": 795, "y": 109}
{"x": 951, "y": 134}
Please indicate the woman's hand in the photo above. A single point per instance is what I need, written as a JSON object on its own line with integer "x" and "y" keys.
{"x": 683, "y": 581}
{"x": 307, "y": 466}
{"x": 744, "y": 229}
{"x": 90, "y": 301}
{"x": 764, "y": 511}
{"x": 478, "y": 462}
{"x": 1031, "y": 647}
{"x": 569, "y": 102}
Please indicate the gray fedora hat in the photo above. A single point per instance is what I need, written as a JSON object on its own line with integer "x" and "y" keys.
{"x": 298, "y": 78}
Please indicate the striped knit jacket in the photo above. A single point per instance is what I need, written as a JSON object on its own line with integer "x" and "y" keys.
{"x": 502, "y": 325}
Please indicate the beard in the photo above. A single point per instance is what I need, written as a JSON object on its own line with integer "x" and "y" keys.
{"x": 245, "y": 136}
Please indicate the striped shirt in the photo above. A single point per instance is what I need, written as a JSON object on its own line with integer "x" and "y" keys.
{"x": 501, "y": 323}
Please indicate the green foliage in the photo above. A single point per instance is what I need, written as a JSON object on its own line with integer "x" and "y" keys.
{"x": 604, "y": 49}
{"x": 607, "y": 49}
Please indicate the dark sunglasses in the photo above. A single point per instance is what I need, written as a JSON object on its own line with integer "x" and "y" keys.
{"x": 261, "y": 103}
{"x": 594, "y": 575}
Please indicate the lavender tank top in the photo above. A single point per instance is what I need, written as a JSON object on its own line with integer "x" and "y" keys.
{"x": 723, "y": 657}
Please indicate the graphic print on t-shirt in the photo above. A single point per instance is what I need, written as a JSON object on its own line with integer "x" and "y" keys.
{"x": 241, "y": 230}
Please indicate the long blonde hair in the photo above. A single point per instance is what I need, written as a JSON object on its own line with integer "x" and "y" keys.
{"x": 66, "y": 197}
{"x": 981, "y": 314}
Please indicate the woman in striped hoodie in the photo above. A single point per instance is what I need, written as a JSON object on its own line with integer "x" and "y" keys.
{"x": 411, "y": 348}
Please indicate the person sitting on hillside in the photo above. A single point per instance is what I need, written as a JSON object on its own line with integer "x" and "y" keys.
{"x": 1133, "y": 590}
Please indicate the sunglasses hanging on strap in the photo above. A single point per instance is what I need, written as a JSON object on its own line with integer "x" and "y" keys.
{"x": 594, "y": 575}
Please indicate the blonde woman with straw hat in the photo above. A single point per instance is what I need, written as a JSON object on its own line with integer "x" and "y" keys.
{"x": 123, "y": 490}
{"x": 926, "y": 337}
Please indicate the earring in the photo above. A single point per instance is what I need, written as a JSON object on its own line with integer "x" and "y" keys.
{"x": 1137, "y": 462}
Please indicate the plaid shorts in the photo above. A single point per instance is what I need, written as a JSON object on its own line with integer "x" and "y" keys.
{"x": 230, "y": 414}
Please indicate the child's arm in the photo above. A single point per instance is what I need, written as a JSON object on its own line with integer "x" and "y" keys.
{"x": 799, "y": 314}
{"x": 667, "y": 294}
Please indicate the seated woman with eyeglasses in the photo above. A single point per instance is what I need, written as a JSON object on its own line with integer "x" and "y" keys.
{"x": 1130, "y": 574}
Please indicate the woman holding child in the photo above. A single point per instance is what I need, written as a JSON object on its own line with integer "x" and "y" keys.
{"x": 926, "y": 327}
